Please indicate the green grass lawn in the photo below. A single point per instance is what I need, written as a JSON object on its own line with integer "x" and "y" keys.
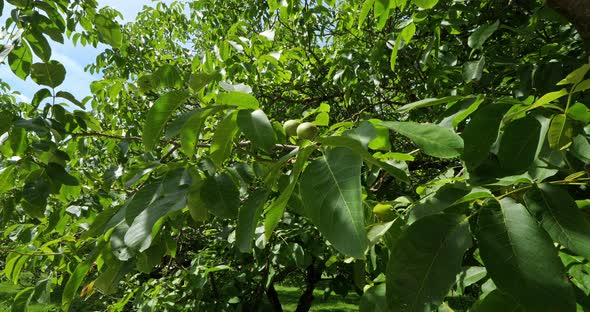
{"x": 287, "y": 295}
{"x": 334, "y": 303}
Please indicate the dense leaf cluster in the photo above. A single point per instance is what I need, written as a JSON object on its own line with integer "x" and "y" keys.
{"x": 450, "y": 171}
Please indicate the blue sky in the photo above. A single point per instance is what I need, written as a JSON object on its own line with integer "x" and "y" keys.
{"x": 74, "y": 58}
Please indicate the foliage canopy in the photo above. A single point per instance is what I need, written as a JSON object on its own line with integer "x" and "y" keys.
{"x": 450, "y": 170}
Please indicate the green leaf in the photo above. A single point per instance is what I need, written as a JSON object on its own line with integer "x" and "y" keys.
{"x": 34, "y": 201}
{"x": 20, "y": 60}
{"x": 434, "y": 140}
{"x": 374, "y": 300}
{"x": 257, "y": 128}
{"x": 238, "y": 99}
{"x": 469, "y": 276}
{"x": 481, "y": 34}
{"x": 560, "y": 132}
{"x": 58, "y": 174}
{"x": 518, "y": 144}
{"x": 473, "y": 70}
{"x": 70, "y": 97}
{"x": 169, "y": 76}
{"x": 221, "y": 196}
{"x": 199, "y": 80}
{"x": 108, "y": 278}
{"x": 331, "y": 192}
{"x": 475, "y": 103}
{"x": 428, "y": 256}
{"x": 75, "y": 280}
{"x": 42, "y": 291}
{"x": 576, "y": 76}
{"x": 444, "y": 197}
{"x": 50, "y": 74}
{"x": 39, "y": 45}
{"x": 357, "y": 147}
{"x": 152, "y": 203}
{"x": 521, "y": 258}
{"x": 7, "y": 179}
{"x": 222, "y": 140}
{"x": 559, "y": 215}
{"x": 109, "y": 31}
{"x": 582, "y": 86}
{"x": 545, "y": 99}
{"x": 197, "y": 209}
{"x": 481, "y": 132}
{"x": 365, "y": 11}
{"x": 498, "y": 301}
{"x": 429, "y": 102}
{"x": 248, "y": 219}
{"x": 381, "y": 140}
{"x": 189, "y": 134}
{"x": 393, "y": 57}
{"x": 364, "y": 133}
{"x": 159, "y": 114}
{"x": 22, "y": 300}
{"x": 322, "y": 119}
{"x": 277, "y": 208}
{"x": 425, "y": 4}
{"x": 579, "y": 112}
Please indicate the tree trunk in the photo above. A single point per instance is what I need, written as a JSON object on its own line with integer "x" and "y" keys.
{"x": 313, "y": 276}
{"x": 273, "y": 298}
{"x": 577, "y": 12}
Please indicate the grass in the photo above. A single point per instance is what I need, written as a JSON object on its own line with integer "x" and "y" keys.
{"x": 334, "y": 303}
{"x": 288, "y": 296}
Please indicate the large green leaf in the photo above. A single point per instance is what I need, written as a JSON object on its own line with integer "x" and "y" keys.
{"x": 481, "y": 34}
{"x": 429, "y": 102}
{"x": 277, "y": 208}
{"x": 437, "y": 202}
{"x": 39, "y": 45}
{"x": 357, "y": 147}
{"x": 481, "y": 132}
{"x": 425, "y": 261}
{"x": 50, "y": 74}
{"x": 20, "y": 60}
{"x": 473, "y": 70}
{"x": 109, "y": 31}
{"x": 248, "y": 217}
{"x": 77, "y": 277}
{"x": 425, "y": 4}
{"x": 560, "y": 132}
{"x": 221, "y": 196}
{"x": 223, "y": 137}
{"x": 560, "y": 217}
{"x": 152, "y": 203}
{"x": 159, "y": 114}
{"x": 22, "y": 300}
{"x": 521, "y": 258}
{"x": 331, "y": 192}
{"x": 498, "y": 301}
{"x": 432, "y": 139}
{"x": 257, "y": 128}
{"x": 190, "y": 131}
{"x": 6, "y": 179}
{"x": 518, "y": 144}
{"x": 374, "y": 300}
{"x": 238, "y": 99}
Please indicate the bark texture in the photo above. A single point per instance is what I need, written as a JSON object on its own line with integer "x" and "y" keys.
{"x": 577, "y": 12}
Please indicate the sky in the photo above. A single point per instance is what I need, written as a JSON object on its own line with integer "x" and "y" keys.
{"x": 74, "y": 58}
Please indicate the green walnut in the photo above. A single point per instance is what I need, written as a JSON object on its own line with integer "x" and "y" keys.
{"x": 290, "y": 127}
{"x": 307, "y": 131}
{"x": 384, "y": 212}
